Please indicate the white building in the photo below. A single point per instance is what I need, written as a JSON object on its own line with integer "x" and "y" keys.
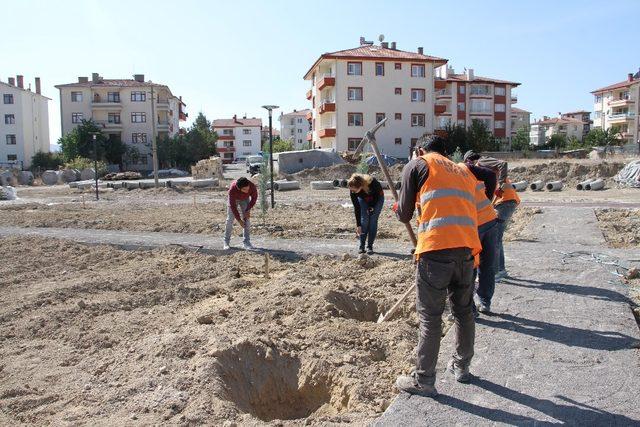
{"x": 24, "y": 123}
{"x": 295, "y": 126}
{"x": 123, "y": 108}
{"x": 542, "y": 130}
{"x": 238, "y": 138}
{"x": 618, "y": 106}
{"x": 351, "y": 90}
{"x": 520, "y": 119}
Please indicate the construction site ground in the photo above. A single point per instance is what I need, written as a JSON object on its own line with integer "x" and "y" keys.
{"x": 127, "y": 311}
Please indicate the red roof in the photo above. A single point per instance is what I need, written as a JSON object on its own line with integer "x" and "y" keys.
{"x": 519, "y": 110}
{"x": 558, "y": 121}
{"x": 373, "y": 52}
{"x": 620, "y": 85}
{"x": 230, "y": 123}
{"x": 478, "y": 79}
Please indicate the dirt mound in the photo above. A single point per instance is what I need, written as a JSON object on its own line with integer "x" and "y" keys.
{"x": 620, "y": 227}
{"x": 343, "y": 171}
{"x": 569, "y": 172}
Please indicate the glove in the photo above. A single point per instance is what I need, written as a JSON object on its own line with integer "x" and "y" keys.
{"x": 395, "y": 207}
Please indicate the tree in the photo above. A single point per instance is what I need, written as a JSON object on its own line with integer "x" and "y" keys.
{"x": 603, "y": 138}
{"x": 281, "y": 145}
{"x": 556, "y": 141}
{"x": 44, "y": 161}
{"x": 457, "y": 138}
{"x": 480, "y": 138}
{"x": 184, "y": 150}
{"x": 69, "y": 145}
{"x": 521, "y": 140}
{"x": 79, "y": 143}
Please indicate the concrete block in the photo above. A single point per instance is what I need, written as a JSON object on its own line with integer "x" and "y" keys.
{"x": 321, "y": 185}
{"x": 204, "y": 183}
{"x": 294, "y": 161}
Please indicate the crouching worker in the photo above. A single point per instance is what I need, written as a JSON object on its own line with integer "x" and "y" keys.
{"x": 447, "y": 243}
{"x": 367, "y": 197}
{"x": 243, "y": 195}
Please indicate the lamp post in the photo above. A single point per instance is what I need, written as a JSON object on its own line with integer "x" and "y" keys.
{"x": 94, "y": 137}
{"x": 154, "y": 142}
{"x": 270, "y": 108}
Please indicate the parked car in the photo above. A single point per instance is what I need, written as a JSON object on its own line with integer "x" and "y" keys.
{"x": 253, "y": 164}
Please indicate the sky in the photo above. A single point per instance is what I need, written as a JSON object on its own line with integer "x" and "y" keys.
{"x": 227, "y": 58}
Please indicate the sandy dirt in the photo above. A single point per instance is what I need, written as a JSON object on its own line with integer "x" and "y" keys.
{"x": 621, "y": 227}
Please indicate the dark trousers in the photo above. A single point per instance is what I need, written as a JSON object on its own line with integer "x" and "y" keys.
{"x": 369, "y": 215}
{"x": 440, "y": 274}
{"x": 488, "y": 234}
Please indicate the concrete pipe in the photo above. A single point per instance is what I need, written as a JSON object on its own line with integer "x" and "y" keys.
{"x": 7, "y": 179}
{"x": 87, "y": 174}
{"x": 168, "y": 184}
{"x": 321, "y": 185}
{"x": 144, "y": 185}
{"x": 336, "y": 183}
{"x": 344, "y": 183}
{"x": 384, "y": 184}
{"x": 130, "y": 185}
{"x": 582, "y": 185}
{"x": 537, "y": 185}
{"x": 73, "y": 184}
{"x": 204, "y": 183}
{"x": 116, "y": 185}
{"x": 25, "y": 178}
{"x": 598, "y": 184}
{"x": 50, "y": 177}
{"x": 286, "y": 185}
{"x": 520, "y": 185}
{"x": 68, "y": 175}
{"x": 554, "y": 186}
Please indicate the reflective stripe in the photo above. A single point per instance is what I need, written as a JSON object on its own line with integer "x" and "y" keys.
{"x": 446, "y": 192}
{"x": 480, "y": 186}
{"x": 483, "y": 204}
{"x": 446, "y": 220}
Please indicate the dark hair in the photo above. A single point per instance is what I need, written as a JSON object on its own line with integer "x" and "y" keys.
{"x": 434, "y": 143}
{"x": 470, "y": 156}
{"x": 242, "y": 182}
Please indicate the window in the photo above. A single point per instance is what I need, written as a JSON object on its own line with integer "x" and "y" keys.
{"x": 379, "y": 68}
{"x": 138, "y": 117}
{"x": 227, "y": 144}
{"x": 139, "y": 138}
{"x": 398, "y": 116}
{"x": 417, "y": 70}
{"x": 398, "y": 65}
{"x": 460, "y": 106}
{"x": 228, "y": 156}
{"x": 299, "y": 141}
{"x": 354, "y": 119}
{"x": 499, "y": 124}
{"x": 142, "y": 160}
{"x": 417, "y": 120}
{"x": 113, "y": 97}
{"x": 500, "y": 108}
{"x": 417, "y": 95}
{"x": 11, "y": 140}
{"x": 398, "y": 141}
{"x": 398, "y": 91}
{"x": 443, "y": 122}
{"x": 380, "y": 117}
{"x": 352, "y": 143}
{"x": 480, "y": 106}
{"x": 76, "y": 117}
{"x": 138, "y": 96}
{"x": 485, "y": 122}
{"x": 9, "y": 119}
{"x": 461, "y": 90}
{"x": 76, "y": 96}
{"x": 354, "y": 68}
{"x": 500, "y": 91}
{"x": 354, "y": 94}
{"x": 299, "y": 130}
{"x": 227, "y": 132}
{"x": 299, "y": 120}
{"x": 598, "y": 98}
{"x": 246, "y": 131}
{"x": 246, "y": 143}
{"x": 114, "y": 118}
{"x": 12, "y": 157}
{"x": 479, "y": 90}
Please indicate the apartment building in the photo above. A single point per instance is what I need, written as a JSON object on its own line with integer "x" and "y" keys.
{"x": 124, "y": 109}
{"x": 24, "y": 122}
{"x": 617, "y": 105}
{"x": 520, "y": 119}
{"x": 295, "y": 126}
{"x": 351, "y": 90}
{"x": 543, "y": 130}
{"x": 583, "y": 116}
{"x": 238, "y": 138}
{"x": 462, "y": 98}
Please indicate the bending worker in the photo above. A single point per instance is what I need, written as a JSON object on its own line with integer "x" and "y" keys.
{"x": 367, "y": 197}
{"x": 447, "y": 243}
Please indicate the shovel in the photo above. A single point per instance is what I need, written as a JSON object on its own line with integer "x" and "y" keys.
{"x": 370, "y": 137}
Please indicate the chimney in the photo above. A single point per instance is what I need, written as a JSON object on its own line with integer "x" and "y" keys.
{"x": 38, "y": 85}
{"x": 630, "y": 77}
{"x": 385, "y": 45}
{"x": 83, "y": 79}
{"x": 138, "y": 78}
{"x": 20, "y": 81}
{"x": 12, "y": 81}
{"x": 421, "y": 50}
{"x": 469, "y": 73}
{"x": 361, "y": 41}
{"x": 95, "y": 77}
{"x": 393, "y": 45}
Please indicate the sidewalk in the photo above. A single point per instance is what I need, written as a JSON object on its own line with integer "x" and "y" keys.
{"x": 561, "y": 348}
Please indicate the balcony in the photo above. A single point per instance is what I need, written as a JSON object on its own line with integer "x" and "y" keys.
{"x": 620, "y": 102}
{"x": 327, "y": 133}
{"x": 443, "y": 94}
{"x": 163, "y": 125}
{"x": 514, "y": 98}
{"x": 326, "y": 80}
{"x": 327, "y": 106}
{"x": 100, "y": 104}
{"x": 626, "y": 135}
{"x": 162, "y": 104}
{"x": 439, "y": 84}
{"x": 109, "y": 124}
{"x": 309, "y": 116}
{"x": 439, "y": 109}
{"x": 309, "y": 94}
{"x": 227, "y": 137}
{"x": 621, "y": 117}
{"x": 227, "y": 149}
{"x": 309, "y": 136}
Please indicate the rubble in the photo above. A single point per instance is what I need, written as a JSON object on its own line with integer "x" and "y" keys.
{"x": 208, "y": 168}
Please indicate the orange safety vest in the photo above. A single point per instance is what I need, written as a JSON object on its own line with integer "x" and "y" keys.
{"x": 448, "y": 217}
{"x": 486, "y": 212}
{"x": 508, "y": 194}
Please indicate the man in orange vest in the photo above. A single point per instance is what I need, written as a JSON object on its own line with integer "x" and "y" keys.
{"x": 505, "y": 202}
{"x": 447, "y": 243}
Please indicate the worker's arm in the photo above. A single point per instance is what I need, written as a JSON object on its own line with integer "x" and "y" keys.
{"x": 254, "y": 196}
{"x": 356, "y": 207}
{"x": 233, "y": 204}
{"x": 487, "y": 176}
{"x": 414, "y": 175}
{"x": 497, "y": 165}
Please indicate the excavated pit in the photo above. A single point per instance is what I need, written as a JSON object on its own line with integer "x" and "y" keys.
{"x": 350, "y": 307}
{"x": 271, "y": 385}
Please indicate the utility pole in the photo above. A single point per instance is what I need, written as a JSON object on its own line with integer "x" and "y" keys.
{"x": 154, "y": 143}
{"x": 270, "y": 108}
{"x": 94, "y": 137}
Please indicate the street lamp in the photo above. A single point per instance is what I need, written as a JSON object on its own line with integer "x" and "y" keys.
{"x": 270, "y": 108}
{"x": 94, "y": 137}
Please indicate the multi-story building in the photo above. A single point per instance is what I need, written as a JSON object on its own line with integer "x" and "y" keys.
{"x": 123, "y": 107}
{"x": 294, "y": 127}
{"x": 351, "y": 90}
{"x": 583, "y": 116}
{"x": 265, "y": 134}
{"x": 543, "y": 130}
{"x": 465, "y": 97}
{"x": 24, "y": 123}
{"x": 238, "y": 138}
{"x": 520, "y": 119}
{"x": 617, "y": 106}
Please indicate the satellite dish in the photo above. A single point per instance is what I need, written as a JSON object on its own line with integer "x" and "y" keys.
{"x": 381, "y": 38}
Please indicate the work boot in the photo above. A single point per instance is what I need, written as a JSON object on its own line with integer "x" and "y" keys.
{"x": 361, "y": 251}
{"x": 501, "y": 275}
{"x": 409, "y": 384}
{"x": 462, "y": 374}
{"x": 484, "y": 308}
{"x": 369, "y": 250}
{"x": 226, "y": 247}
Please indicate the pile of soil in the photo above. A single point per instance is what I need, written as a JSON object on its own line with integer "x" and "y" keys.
{"x": 343, "y": 171}
{"x": 94, "y": 334}
{"x": 569, "y": 172}
{"x": 620, "y": 227}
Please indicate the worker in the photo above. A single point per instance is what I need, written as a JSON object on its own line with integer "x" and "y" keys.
{"x": 367, "y": 197}
{"x": 505, "y": 202}
{"x": 488, "y": 233}
{"x": 447, "y": 243}
{"x": 242, "y": 196}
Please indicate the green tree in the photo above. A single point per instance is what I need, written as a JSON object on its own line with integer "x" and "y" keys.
{"x": 557, "y": 141}
{"x": 69, "y": 145}
{"x": 480, "y": 138}
{"x": 44, "y": 161}
{"x": 603, "y": 138}
{"x": 79, "y": 143}
{"x": 184, "y": 150}
{"x": 521, "y": 141}
{"x": 281, "y": 145}
{"x": 457, "y": 137}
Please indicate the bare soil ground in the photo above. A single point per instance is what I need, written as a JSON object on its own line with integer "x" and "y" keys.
{"x": 621, "y": 227}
